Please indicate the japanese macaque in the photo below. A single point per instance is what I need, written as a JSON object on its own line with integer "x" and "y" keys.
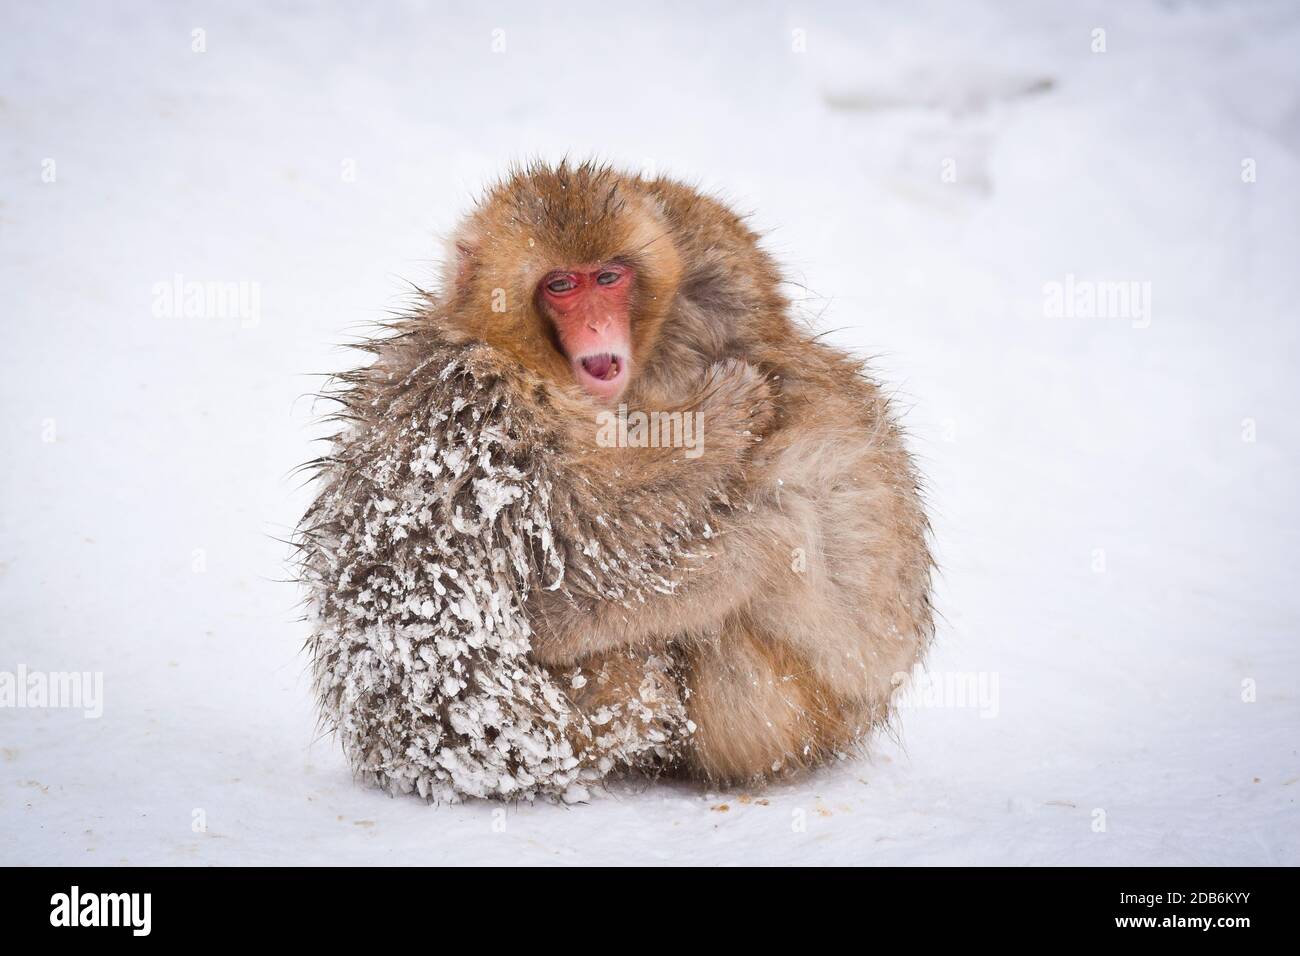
{"x": 599, "y": 504}
{"x": 774, "y": 578}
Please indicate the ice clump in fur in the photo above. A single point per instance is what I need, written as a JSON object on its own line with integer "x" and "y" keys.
{"x": 432, "y": 525}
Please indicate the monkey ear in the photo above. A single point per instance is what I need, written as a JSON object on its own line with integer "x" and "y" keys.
{"x": 462, "y": 260}
{"x": 465, "y": 255}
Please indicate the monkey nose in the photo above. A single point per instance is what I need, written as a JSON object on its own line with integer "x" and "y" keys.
{"x": 598, "y": 323}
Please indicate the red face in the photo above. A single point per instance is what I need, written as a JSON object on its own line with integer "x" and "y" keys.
{"x": 588, "y": 305}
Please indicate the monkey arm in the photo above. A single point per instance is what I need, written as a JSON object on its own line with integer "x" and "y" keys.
{"x": 568, "y": 628}
{"x": 656, "y": 543}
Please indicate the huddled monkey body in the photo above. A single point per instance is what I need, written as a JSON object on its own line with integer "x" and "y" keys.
{"x": 505, "y": 603}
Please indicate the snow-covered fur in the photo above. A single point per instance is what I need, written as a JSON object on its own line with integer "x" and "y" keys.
{"x": 436, "y": 519}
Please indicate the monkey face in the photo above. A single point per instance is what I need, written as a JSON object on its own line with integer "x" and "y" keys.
{"x": 571, "y": 271}
{"x": 588, "y": 306}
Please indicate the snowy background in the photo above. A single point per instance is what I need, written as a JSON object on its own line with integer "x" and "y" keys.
{"x": 1115, "y": 497}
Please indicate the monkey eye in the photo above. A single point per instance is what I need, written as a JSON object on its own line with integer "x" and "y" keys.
{"x": 608, "y": 277}
{"x": 560, "y": 285}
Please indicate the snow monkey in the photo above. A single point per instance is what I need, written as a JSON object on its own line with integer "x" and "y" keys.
{"x": 804, "y": 587}
{"x": 600, "y": 504}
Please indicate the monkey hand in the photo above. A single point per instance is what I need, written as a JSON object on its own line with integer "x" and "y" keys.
{"x": 739, "y": 399}
{"x": 735, "y": 409}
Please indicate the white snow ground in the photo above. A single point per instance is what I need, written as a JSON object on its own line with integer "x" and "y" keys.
{"x": 146, "y": 458}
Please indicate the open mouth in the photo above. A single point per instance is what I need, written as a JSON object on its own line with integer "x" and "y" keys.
{"x": 602, "y": 374}
{"x": 605, "y": 367}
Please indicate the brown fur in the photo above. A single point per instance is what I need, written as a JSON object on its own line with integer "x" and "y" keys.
{"x": 809, "y": 591}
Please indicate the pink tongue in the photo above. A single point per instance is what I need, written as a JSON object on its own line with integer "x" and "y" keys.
{"x": 599, "y": 366}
